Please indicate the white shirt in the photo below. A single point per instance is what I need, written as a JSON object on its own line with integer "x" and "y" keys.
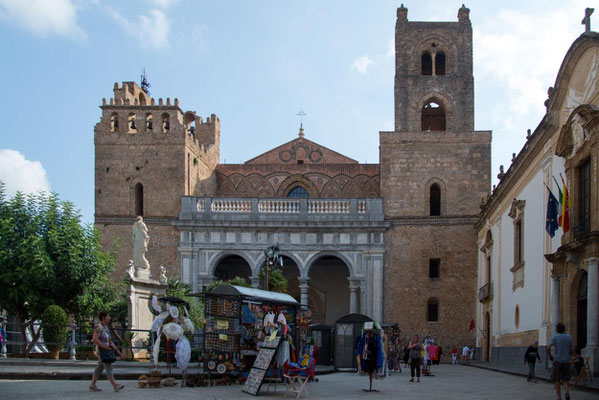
{"x": 465, "y": 351}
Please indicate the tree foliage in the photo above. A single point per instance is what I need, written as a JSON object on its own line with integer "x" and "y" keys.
{"x": 54, "y": 327}
{"x": 48, "y": 257}
{"x": 276, "y": 280}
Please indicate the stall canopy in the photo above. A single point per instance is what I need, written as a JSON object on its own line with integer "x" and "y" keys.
{"x": 254, "y": 294}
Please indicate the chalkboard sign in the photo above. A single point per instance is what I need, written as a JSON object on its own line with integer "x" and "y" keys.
{"x": 268, "y": 348}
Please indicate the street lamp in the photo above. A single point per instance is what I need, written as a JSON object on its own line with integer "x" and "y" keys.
{"x": 272, "y": 259}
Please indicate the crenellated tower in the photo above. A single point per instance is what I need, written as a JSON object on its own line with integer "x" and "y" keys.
{"x": 148, "y": 154}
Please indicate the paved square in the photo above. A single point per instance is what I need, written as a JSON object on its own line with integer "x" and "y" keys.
{"x": 449, "y": 382}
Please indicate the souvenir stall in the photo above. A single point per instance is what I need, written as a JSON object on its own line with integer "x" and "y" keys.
{"x": 171, "y": 321}
{"x": 370, "y": 353}
{"x": 238, "y": 320}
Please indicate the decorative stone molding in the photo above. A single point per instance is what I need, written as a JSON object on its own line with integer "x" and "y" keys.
{"x": 517, "y": 209}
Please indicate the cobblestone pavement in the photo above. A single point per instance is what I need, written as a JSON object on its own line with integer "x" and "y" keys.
{"x": 449, "y": 383}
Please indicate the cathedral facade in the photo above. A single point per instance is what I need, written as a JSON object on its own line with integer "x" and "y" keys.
{"x": 393, "y": 240}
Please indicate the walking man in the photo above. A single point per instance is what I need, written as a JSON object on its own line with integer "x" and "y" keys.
{"x": 562, "y": 343}
{"x": 465, "y": 354}
{"x": 530, "y": 358}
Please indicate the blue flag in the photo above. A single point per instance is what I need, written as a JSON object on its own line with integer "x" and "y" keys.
{"x": 551, "y": 224}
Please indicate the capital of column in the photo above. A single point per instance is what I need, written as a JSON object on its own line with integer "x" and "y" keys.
{"x": 592, "y": 261}
{"x": 557, "y": 277}
{"x": 303, "y": 281}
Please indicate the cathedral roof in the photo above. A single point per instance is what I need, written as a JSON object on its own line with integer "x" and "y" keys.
{"x": 301, "y": 151}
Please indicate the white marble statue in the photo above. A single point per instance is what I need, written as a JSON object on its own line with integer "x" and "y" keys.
{"x": 140, "y": 245}
{"x": 162, "y": 277}
{"x": 131, "y": 270}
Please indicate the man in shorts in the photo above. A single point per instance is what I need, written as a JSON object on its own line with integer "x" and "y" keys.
{"x": 562, "y": 344}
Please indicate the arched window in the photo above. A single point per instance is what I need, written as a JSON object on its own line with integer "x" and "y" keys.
{"x": 435, "y": 199}
{"x": 432, "y": 310}
{"x": 149, "y": 122}
{"x": 427, "y": 63}
{"x": 131, "y": 123}
{"x": 139, "y": 199}
{"x": 166, "y": 124}
{"x": 440, "y": 63}
{"x": 142, "y": 99}
{"x": 114, "y": 122}
{"x": 298, "y": 191}
{"x": 433, "y": 117}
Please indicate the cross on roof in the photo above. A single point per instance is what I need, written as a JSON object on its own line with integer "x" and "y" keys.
{"x": 586, "y": 21}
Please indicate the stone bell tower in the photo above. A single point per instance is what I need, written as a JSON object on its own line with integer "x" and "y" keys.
{"x": 434, "y": 171}
{"x": 148, "y": 154}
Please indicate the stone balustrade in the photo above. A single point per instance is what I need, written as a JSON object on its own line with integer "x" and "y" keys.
{"x": 278, "y": 209}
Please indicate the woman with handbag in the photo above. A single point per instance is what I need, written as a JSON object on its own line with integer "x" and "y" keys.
{"x": 107, "y": 352}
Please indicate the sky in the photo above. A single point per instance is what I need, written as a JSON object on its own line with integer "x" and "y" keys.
{"x": 254, "y": 64}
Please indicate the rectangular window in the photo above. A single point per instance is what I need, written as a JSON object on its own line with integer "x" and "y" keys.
{"x": 488, "y": 269}
{"x": 433, "y": 312}
{"x": 434, "y": 266}
{"x": 584, "y": 197}
{"x": 518, "y": 242}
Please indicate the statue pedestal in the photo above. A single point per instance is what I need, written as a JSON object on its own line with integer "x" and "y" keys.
{"x": 139, "y": 297}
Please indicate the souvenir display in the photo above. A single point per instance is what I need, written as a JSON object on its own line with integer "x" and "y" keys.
{"x": 238, "y": 330}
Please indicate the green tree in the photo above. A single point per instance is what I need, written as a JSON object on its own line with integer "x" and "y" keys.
{"x": 48, "y": 257}
{"x": 276, "y": 280}
{"x": 54, "y": 327}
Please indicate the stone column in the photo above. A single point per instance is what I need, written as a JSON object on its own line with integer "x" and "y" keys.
{"x": 353, "y": 296}
{"x": 592, "y": 348}
{"x": 555, "y": 317}
{"x": 255, "y": 282}
{"x": 593, "y": 303}
{"x": 304, "y": 286}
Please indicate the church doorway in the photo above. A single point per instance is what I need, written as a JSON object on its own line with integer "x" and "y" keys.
{"x": 328, "y": 290}
{"x": 487, "y": 353}
{"x": 233, "y": 266}
{"x": 581, "y": 312}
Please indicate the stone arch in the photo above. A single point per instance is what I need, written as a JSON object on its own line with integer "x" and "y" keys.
{"x": 311, "y": 260}
{"x": 444, "y": 102}
{"x": 217, "y": 258}
{"x": 427, "y": 195}
{"x": 296, "y": 180}
{"x": 441, "y": 45}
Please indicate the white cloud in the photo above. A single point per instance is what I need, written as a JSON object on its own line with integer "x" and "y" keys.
{"x": 20, "y": 174}
{"x": 164, "y": 3}
{"x": 361, "y": 64}
{"x": 524, "y": 52}
{"x": 152, "y": 30}
{"x": 44, "y": 17}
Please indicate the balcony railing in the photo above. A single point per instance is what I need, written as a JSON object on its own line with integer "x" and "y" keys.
{"x": 485, "y": 293}
{"x": 276, "y": 209}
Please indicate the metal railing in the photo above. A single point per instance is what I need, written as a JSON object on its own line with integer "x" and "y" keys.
{"x": 485, "y": 293}
{"x": 80, "y": 339}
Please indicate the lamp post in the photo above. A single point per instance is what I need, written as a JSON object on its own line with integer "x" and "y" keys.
{"x": 272, "y": 258}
